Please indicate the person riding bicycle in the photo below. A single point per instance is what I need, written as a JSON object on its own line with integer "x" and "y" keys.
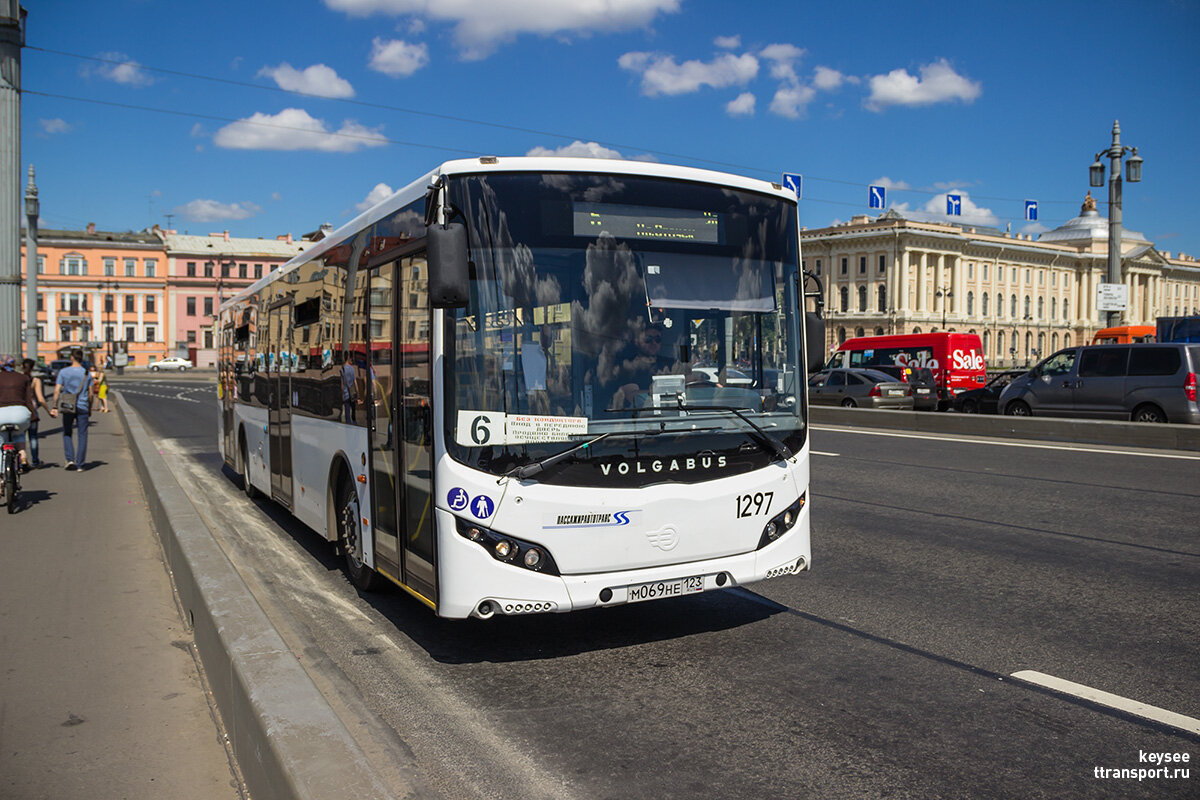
{"x": 16, "y": 398}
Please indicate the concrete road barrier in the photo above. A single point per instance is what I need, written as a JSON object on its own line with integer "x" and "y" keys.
{"x": 288, "y": 741}
{"x": 1050, "y": 429}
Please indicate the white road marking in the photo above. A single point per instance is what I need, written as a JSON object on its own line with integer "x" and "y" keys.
{"x": 998, "y": 443}
{"x": 1161, "y": 715}
{"x": 819, "y": 453}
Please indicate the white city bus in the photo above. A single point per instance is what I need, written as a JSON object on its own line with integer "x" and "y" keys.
{"x": 508, "y": 388}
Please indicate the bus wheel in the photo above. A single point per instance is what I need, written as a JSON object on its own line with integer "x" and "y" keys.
{"x": 1018, "y": 408}
{"x": 849, "y": 403}
{"x": 1149, "y": 413}
{"x": 247, "y": 486}
{"x": 350, "y": 539}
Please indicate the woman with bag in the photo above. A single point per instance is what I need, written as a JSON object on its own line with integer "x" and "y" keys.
{"x": 73, "y": 400}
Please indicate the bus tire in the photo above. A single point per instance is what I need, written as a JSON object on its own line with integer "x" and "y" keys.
{"x": 1018, "y": 408}
{"x": 244, "y": 456}
{"x": 350, "y": 540}
{"x": 1148, "y": 412}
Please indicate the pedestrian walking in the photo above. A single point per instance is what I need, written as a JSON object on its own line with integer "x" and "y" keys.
{"x": 39, "y": 401}
{"x": 72, "y": 400}
{"x": 100, "y": 385}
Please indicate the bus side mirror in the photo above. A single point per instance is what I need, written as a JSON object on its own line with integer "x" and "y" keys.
{"x": 814, "y": 337}
{"x": 449, "y": 268}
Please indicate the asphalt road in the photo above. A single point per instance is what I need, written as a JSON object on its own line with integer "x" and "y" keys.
{"x": 941, "y": 567}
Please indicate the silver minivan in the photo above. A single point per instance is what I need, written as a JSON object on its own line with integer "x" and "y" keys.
{"x": 1139, "y": 382}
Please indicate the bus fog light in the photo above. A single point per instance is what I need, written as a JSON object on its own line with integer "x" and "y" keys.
{"x": 772, "y": 530}
{"x": 475, "y": 534}
{"x": 533, "y": 558}
{"x": 503, "y": 549}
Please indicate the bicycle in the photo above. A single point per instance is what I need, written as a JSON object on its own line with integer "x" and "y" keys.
{"x": 10, "y": 464}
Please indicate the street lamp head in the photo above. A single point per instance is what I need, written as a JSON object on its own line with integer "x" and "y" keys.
{"x": 1096, "y": 173}
{"x": 1133, "y": 167}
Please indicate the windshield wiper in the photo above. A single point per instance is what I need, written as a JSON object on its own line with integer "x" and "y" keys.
{"x": 766, "y": 440}
{"x": 529, "y": 470}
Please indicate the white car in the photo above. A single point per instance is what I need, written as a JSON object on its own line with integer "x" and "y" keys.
{"x": 733, "y": 377}
{"x": 171, "y": 362}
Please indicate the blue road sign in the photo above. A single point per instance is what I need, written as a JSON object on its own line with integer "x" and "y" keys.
{"x": 794, "y": 182}
{"x": 1031, "y": 210}
{"x": 954, "y": 205}
{"x": 458, "y": 499}
{"x": 876, "y": 197}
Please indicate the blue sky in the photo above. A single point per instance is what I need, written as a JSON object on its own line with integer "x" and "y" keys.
{"x": 998, "y": 102}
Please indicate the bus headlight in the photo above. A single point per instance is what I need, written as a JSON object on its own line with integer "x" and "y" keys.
{"x": 782, "y": 522}
{"x": 508, "y": 549}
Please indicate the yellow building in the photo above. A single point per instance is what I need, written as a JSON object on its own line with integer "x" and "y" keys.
{"x": 1026, "y": 297}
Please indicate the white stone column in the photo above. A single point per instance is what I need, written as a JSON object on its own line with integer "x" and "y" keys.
{"x": 922, "y": 279}
{"x": 902, "y": 282}
{"x": 957, "y": 285}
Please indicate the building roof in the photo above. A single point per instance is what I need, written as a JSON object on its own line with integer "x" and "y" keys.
{"x": 1088, "y": 227}
{"x": 222, "y": 246}
{"x": 95, "y": 237}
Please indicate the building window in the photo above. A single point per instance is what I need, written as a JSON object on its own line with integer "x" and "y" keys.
{"x": 257, "y": 271}
{"x": 1066, "y": 308}
{"x": 129, "y": 303}
{"x": 845, "y": 265}
{"x": 225, "y": 270}
{"x": 1014, "y": 275}
{"x": 110, "y": 267}
{"x": 883, "y": 263}
{"x": 150, "y": 333}
{"x": 72, "y": 265}
{"x": 208, "y": 306}
{"x": 131, "y": 268}
{"x": 129, "y": 333}
{"x": 208, "y": 269}
{"x": 983, "y": 306}
{"x": 191, "y": 306}
{"x": 1014, "y": 306}
{"x": 191, "y": 269}
{"x": 151, "y": 267}
{"x": 208, "y": 339}
{"x": 985, "y": 272}
{"x": 862, "y": 296}
{"x": 108, "y": 303}
{"x": 41, "y": 302}
{"x": 242, "y": 270}
{"x": 1041, "y": 277}
{"x": 970, "y": 303}
{"x": 150, "y": 303}
{"x": 818, "y": 266}
{"x": 845, "y": 298}
{"x": 862, "y": 265}
{"x": 1041, "y": 308}
{"x": 1028, "y": 307}
{"x": 41, "y": 267}
{"x": 191, "y": 337}
{"x": 971, "y": 270}
{"x": 108, "y": 333}
{"x": 881, "y": 299}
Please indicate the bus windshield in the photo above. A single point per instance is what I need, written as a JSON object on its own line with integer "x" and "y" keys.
{"x": 625, "y": 305}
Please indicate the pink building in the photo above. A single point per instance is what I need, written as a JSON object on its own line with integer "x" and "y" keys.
{"x": 204, "y": 270}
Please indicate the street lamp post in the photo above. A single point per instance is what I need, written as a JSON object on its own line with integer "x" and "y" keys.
{"x": 945, "y": 294}
{"x": 106, "y": 288}
{"x": 32, "y": 208}
{"x": 1133, "y": 173}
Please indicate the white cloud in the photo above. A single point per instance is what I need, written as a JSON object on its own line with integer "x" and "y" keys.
{"x": 830, "y": 80}
{"x": 939, "y": 83}
{"x": 377, "y": 195}
{"x": 577, "y": 149}
{"x": 119, "y": 68}
{"x": 728, "y": 42}
{"x": 212, "y": 211}
{"x": 318, "y": 80}
{"x": 783, "y": 58}
{"x": 479, "y": 27}
{"x": 1034, "y": 227}
{"x": 935, "y": 211}
{"x": 741, "y": 106}
{"x": 294, "y": 129}
{"x": 397, "y": 58}
{"x": 662, "y": 75}
{"x": 885, "y": 181}
{"x": 56, "y": 125}
{"x": 791, "y": 100}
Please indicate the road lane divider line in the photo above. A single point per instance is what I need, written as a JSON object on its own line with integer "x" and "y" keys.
{"x": 1029, "y": 445}
{"x": 1138, "y": 709}
{"x": 819, "y": 453}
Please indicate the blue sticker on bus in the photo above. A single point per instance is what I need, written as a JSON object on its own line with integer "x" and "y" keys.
{"x": 458, "y": 499}
{"x": 483, "y": 506}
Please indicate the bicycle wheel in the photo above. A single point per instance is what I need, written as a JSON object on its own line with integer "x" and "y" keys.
{"x": 10, "y": 486}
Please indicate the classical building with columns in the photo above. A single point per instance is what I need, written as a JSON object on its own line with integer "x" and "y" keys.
{"x": 1026, "y": 297}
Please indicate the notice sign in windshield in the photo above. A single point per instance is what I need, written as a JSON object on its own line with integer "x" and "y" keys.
{"x": 480, "y": 428}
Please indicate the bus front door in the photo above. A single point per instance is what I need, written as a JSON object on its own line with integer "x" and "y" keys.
{"x": 279, "y": 412}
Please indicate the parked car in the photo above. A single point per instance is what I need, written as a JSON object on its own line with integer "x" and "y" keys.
{"x": 869, "y": 388}
{"x": 921, "y": 381}
{"x": 985, "y": 399}
{"x": 170, "y": 362}
{"x": 1139, "y": 382}
{"x": 56, "y": 366}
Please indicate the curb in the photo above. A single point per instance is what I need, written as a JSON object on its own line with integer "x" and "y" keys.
{"x": 287, "y": 740}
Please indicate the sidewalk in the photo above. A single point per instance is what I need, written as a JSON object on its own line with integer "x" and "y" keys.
{"x": 99, "y": 692}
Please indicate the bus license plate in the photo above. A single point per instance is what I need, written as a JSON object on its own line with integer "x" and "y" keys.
{"x": 658, "y": 589}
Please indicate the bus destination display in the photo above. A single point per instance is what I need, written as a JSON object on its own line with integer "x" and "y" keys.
{"x": 648, "y": 222}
